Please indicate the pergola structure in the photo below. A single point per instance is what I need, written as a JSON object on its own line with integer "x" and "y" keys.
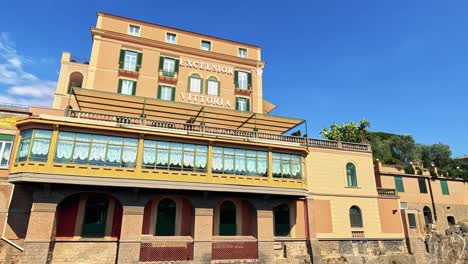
{"x": 142, "y": 107}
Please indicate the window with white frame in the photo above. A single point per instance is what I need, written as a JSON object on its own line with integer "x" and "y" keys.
{"x": 166, "y": 93}
{"x": 127, "y": 87}
{"x": 242, "y": 104}
{"x": 5, "y": 151}
{"x": 213, "y": 86}
{"x": 171, "y": 38}
{"x": 130, "y": 62}
{"x": 169, "y": 65}
{"x": 195, "y": 83}
{"x": 134, "y": 30}
{"x": 242, "y": 53}
{"x": 243, "y": 80}
{"x": 206, "y": 45}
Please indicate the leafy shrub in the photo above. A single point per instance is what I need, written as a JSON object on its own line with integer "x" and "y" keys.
{"x": 409, "y": 169}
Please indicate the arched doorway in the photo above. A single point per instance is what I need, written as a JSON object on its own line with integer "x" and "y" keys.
{"x": 75, "y": 80}
{"x": 427, "y": 215}
{"x": 282, "y": 220}
{"x": 166, "y": 218}
{"x": 227, "y": 219}
{"x": 89, "y": 215}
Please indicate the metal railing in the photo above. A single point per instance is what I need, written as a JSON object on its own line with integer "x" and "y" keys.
{"x": 387, "y": 192}
{"x": 357, "y": 234}
{"x": 257, "y": 135}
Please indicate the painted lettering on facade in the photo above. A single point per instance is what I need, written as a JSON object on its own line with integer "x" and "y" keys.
{"x": 205, "y": 100}
{"x": 206, "y": 66}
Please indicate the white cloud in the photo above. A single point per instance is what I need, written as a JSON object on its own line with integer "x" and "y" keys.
{"x": 20, "y": 86}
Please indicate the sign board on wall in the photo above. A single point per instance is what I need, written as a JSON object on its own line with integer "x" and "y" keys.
{"x": 206, "y": 66}
{"x": 205, "y": 100}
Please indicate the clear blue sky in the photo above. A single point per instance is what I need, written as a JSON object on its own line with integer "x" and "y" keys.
{"x": 403, "y": 65}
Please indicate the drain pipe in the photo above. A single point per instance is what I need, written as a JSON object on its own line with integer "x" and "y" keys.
{"x": 6, "y": 220}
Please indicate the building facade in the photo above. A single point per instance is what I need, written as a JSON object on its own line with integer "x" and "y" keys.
{"x": 161, "y": 148}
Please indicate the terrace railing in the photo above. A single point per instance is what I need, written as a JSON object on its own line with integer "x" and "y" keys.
{"x": 220, "y": 131}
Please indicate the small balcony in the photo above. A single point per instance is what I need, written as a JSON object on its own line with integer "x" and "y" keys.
{"x": 386, "y": 192}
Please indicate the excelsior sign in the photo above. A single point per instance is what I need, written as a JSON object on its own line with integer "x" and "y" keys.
{"x": 206, "y": 66}
{"x": 205, "y": 100}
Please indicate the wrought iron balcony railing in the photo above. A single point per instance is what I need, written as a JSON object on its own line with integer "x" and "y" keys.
{"x": 386, "y": 192}
{"x": 202, "y": 129}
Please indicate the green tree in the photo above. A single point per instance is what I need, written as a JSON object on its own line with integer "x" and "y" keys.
{"x": 437, "y": 154}
{"x": 348, "y": 132}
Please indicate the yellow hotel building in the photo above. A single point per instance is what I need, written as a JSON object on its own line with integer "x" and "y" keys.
{"x": 162, "y": 148}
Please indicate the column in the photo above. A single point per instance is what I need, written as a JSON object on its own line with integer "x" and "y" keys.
{"x": 202, "y": 235}
{"x": 39, "y": 234}
{"x": 265, "y": 236}
{"x": 312, "y": 234}
{"x": 130, "y": 234}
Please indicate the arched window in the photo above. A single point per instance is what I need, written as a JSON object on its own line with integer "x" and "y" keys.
{"x": 75, "y": 80}
{"x": 95, "y": 216}
{"x": 281, "y": 217}
{"x": 355, "y": 216}
{"x": 227, "y": 219}
{"x": 427, "y": 215}
{"x": 195, "y": 83}
{"x": 166, "y": 218}
{"x": 351, "y": 174}
{"x": 451, "y": 220}
{"x": 212, "y": 86}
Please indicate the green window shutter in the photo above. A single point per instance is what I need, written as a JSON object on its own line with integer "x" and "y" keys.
{"x": 139, "y": 61}
{"x": 159, "y": 91}
{"x": 161, "y": 63}
{"x": 422, "y": 185}
{"x": 399, "y": 184}
{"x": 444, "y": 187}
{"x": 236, "y": 78}
{"x": 122, "y": 59}
{"x": 249, "y": 78}
{"x": 6, "y": 137}
{"x": 134, "y": 88}
{"x": 176, "y": 66}
{"x": 248, "y": 104}
{"x": 412, "y": 221}
{"x": 173, "y": 94}
{"x": 219, "y": 88}
{"x": 237, "y": 103}
{"x": 119, "y": 89}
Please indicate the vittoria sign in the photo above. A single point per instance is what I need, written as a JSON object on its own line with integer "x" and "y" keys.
{"x": 206, "y": 66}
{"x": 205, "y": 100}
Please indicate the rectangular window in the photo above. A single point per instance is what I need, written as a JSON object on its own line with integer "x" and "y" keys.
{"x": 242, "y": 53}
{"x": 34, "y": 145}
{"x": 5, "y": 149}
{"x": 130, "y": 60}
{"x": 287, "y": 166}
{"x": 213, "y": 87}
{"x": 174, "y": 156}
{"x": 134, "y": 30}
{"x": 242, "y": 104}
{"x": 422, "y": 185}
{"x": 243, "y": 80}
{"x": 96, "y": 150}
{"x": 403, "y": 205}
{"x": 412, "y": 221}
{"x": 195, "y": 84}
{"x": 399, "y": 184}
{"x": 166, "y": 93}
{"x": 240, "y": 161}
{"x": 444, "y": 187}
{"x": 168, "y": 67}
{"x": 127, "y": 87}
{"x": 206, "y": 45}
{"x": 171, "y": 38}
